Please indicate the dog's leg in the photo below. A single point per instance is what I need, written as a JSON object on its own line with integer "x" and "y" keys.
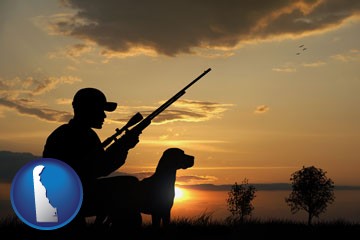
{"x": 166, "y": 219}
{"x": 155, "y": 220}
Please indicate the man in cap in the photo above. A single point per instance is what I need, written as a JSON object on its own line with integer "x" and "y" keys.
{"x": 77, "y": 144}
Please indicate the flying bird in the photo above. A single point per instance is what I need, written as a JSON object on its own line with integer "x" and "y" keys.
{"x": 303, "y": 48}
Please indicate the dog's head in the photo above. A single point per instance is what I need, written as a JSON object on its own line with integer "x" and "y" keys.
{"x": 175, "y": 158}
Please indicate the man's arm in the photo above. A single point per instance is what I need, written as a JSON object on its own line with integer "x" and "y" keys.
{"x": 117, "y": 153}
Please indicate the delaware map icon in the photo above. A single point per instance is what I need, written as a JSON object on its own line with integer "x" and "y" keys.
{"x": 46, "y": 194}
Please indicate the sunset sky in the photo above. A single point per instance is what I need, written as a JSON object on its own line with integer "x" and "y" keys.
{"x": 283, "y": 91}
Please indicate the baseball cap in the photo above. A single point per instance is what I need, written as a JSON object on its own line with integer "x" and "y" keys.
{"x": 91, "y": 97}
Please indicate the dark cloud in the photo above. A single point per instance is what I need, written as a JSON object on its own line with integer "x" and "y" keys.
{"x": 191, "y": 179}
{"x": 186, "y": 179}
{"x": 20, "y": 94}
{"x": 41, "y": 113}
{"x": 139, "y": 175}
{"x": 11, "y": 162}
{"x": 176, "y": 115}
{"x": 181, "y": 26}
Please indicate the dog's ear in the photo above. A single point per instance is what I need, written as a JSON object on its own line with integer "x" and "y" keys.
{"x": 171, "y": 159}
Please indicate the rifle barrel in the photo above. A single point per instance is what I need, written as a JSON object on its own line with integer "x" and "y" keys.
{"x": 146, "y": 121}
{"x": 175, "y": 97}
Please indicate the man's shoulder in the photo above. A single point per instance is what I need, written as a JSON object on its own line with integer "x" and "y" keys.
{"x": 60, "y": 132}
{"x": 62, "y": 128}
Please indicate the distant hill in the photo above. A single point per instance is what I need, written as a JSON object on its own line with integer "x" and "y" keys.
{"x": 11, "y": 162}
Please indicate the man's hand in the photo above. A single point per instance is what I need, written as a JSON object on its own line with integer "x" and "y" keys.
{"x": 129, "y": 140}
{"x": 118, "y": 150}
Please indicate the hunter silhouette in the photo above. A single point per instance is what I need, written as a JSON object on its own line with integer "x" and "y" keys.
{"x": 77, "y": 144}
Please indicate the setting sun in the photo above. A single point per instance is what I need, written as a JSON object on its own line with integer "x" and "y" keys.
{"x": 180, "y": 194}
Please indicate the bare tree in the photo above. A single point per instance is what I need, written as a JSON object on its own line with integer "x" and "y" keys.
{"x": 312, "y": 191}
{"x": 239, "y": 200}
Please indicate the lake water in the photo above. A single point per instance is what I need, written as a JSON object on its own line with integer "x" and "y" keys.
{"x": 267, "y": 205}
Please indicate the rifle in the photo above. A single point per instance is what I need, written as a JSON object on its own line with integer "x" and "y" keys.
{"x": 143, "y": 123}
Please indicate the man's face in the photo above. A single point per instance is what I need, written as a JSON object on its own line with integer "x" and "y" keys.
{"x": 96, "y": 118}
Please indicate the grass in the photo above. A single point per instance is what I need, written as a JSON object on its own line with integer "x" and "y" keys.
{"x": 201, "y": 227}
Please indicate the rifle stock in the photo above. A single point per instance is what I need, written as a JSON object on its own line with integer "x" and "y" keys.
{"x": 144, "y": 123}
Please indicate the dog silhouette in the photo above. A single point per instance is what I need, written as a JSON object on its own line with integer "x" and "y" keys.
{"x": 157, "y": 192}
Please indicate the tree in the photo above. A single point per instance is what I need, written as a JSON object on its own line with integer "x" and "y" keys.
{"x": 312, "y": 191}
{"x": 239, "y": 200}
